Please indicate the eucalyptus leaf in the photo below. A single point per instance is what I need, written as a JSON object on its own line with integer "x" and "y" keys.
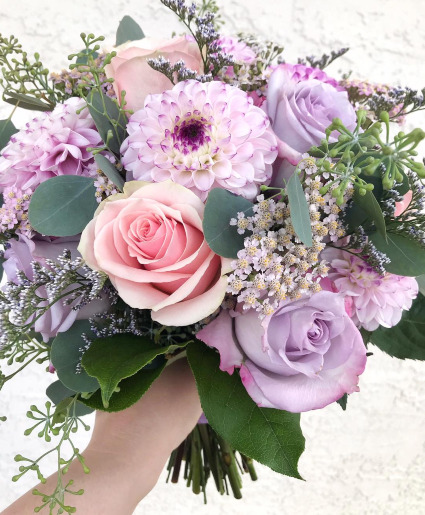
{"x": 57, "y": 392}
{"x": 223, "y": 238}
{"x": 7, "y": 129}
{"x": 270, "y": 436}
{"x": 83, "y": 59}
{"x": 406, "y": 254}
{"x": 372, "y": 209}
{"x": 109, "y": 170}
{"x": 63, "y": 205}
{"x": 300, "y": 215}
{"x": 406, "y": 340}
{"x": 26, "y": 102}
{"x": 128, "y": 30}
{"x": 112, "y": 359}
{"x": 65, "y": 356}
{"x": 130, "y": 390}
{"x": 110, "y": 121}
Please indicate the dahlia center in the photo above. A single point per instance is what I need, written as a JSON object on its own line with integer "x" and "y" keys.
{"x": 191, "y": 135}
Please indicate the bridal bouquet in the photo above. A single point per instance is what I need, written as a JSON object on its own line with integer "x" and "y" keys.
{"x": 201, "y": 198}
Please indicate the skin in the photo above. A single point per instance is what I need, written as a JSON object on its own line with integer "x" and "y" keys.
{"x": 129, "y": 449}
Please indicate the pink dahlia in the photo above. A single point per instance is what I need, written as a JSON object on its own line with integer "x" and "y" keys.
{"x": 202, "y": 136}
{"x": 376, "y": 299}
{"x": 52, "y": 144}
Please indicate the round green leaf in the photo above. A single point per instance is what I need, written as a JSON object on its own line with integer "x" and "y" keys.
{"x": 66, "y": 355}
{"x": 223, "y": 238}
{"x": 128, "y": 30}
{"x": 63, "y": 205}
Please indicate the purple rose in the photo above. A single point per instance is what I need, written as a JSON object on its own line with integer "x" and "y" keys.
{"x": 301, "y": 104}
{"x": 305, "y": 356}
{"x": 59, "y": 317}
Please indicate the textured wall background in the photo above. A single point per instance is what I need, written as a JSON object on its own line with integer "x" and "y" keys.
{"x": 368, "y": 460}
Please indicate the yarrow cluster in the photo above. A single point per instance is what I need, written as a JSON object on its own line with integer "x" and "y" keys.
{"x": 275, "y": 264}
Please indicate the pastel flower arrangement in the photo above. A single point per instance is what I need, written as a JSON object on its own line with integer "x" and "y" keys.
{"x": 199, "y": 198}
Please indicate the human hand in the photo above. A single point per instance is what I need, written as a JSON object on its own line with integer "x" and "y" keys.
{"x": 129, "y": 449}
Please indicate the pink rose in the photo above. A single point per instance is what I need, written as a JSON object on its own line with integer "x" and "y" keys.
{"x": 132, "y": 73}
{"x": 149, "y": 241}
{"x": 305, "y": 356}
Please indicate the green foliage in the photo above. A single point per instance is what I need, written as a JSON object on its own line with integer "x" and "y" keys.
{"x": 222, "y": 237}
{"x": 407, "y": 255}
{"x": 112, "y": 359}
{"x": 66, "y": 358}
{"x": 407, "y": 339}
{"x": 110, "y": 171}
{"x": 109, "y": 119}
{"x": 25, "y": 83}
{"x": 129, "y": 392}
{"x": 62, "y": 422}
{"x": 128, "y": 30}
{"x": 269, "y": 436}
{"x": 343, "y": 401}
{"x": 7, "y": 129}
{"x": 300, "y": 214}
{"x": 58, "y": 392}
{"x": 372, "y": 210}
{"x": 63, "y": 205}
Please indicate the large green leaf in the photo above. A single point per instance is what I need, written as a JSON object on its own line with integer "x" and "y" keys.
{"x": 372, "y": 209}
{"x": 222, "y": 237}
{"x": 110, "y": 171}
{"x": 130, "y": 391}
{"x": 269, "y": 436}
{"x": 421, "y": 283}
{"x": 300, "y": 215}
{"x": 66, "y": 355}
{"x": 407, "y": 255}
{"x": 26, "y": 101}
{"x": 115, "y": 358}
{"x": 57, "y": 392}
{"x": 407, "y": 339}
{"x": 7, "y": 129}
{"x": 110, "y": 121}
{"x": 128, "y": 30}
{"x": 63, "y": 205}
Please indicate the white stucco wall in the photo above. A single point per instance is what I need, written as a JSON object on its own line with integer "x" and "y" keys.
{"x": 368, "y": 460}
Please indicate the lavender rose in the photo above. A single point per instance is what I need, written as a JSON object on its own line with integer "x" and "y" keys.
{"x": 305, "y": 356}
{"x": 301, "y": 104}
{"x": 59, "y": 317}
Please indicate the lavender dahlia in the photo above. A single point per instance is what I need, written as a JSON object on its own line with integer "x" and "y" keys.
{"x": 202, "y": 136}
{"x": 376, "y": 299}
{"x": 52, "y": 144}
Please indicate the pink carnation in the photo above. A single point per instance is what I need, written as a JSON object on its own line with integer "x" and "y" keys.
{"x": 53, "y": 144}
{"x": 376, "y": 299}
{"x": 202, "y": 136}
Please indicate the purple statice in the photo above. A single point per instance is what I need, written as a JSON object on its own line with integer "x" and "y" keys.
{"x": 14, "y": 211}
{"x": 54, "y": 143}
